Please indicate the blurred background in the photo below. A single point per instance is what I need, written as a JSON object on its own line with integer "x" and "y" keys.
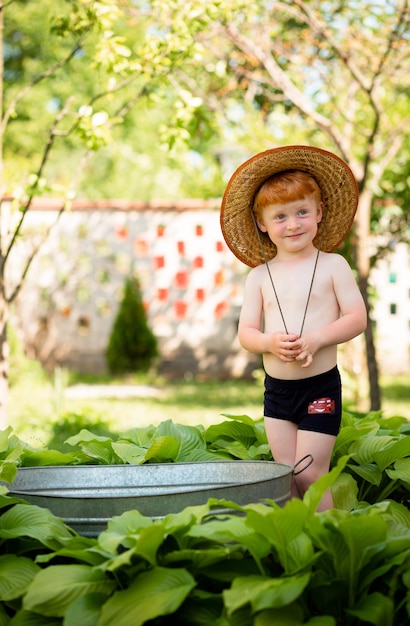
{"x": 122, "y": 122}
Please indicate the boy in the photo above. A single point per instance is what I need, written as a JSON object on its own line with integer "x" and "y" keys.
{"x": 284, "y": 211}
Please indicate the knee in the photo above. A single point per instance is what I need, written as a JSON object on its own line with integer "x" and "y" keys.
{"x": 306, "y": 478}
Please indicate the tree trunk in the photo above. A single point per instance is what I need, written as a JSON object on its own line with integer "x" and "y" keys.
{"x": 363, "y": 267}
{"x": 372, "y": 366}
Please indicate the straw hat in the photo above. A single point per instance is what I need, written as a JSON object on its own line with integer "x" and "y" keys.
{"x": 334, "y": 177}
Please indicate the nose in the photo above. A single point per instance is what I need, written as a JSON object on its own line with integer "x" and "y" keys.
{"x": 293, "y": 223}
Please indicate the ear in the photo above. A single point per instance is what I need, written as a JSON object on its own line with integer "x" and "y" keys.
{"x": 261, "y": 225}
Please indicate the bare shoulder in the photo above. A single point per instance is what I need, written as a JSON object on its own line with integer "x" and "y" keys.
{"x": 256, "y": 274}
{"x": 336, "y": 262}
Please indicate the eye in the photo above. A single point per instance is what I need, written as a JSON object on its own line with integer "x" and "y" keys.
{"x": 279, "y": 217}
{"x": 303, "y": 212}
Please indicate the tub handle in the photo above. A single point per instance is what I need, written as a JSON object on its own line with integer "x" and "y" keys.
{"x": 304, "y": 458}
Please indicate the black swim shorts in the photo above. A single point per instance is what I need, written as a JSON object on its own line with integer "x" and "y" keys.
{"x": 313, "y": 403}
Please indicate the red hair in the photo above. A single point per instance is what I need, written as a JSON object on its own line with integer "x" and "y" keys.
{"x": 286, "y": 187}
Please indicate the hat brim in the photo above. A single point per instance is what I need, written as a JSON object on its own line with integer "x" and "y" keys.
{"x": 336, "y": 182}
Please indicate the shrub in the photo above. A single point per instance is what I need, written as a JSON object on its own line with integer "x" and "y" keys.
{"x": 132, "y": 346}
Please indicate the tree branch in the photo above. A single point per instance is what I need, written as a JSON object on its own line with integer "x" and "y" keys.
{"x": 52, "y": 70}
{"x": 31, "y": 258}
{"x": 320, "y": 28}
{"x": 282, "y": 82}
{"x": 51, "y": 137}
{"x": 393, "y": 36}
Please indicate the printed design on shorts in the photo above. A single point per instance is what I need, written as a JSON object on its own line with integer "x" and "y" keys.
{"x": 322, "y": 405}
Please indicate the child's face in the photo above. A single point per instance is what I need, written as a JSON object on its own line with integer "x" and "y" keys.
{"x": 291, "y": 226}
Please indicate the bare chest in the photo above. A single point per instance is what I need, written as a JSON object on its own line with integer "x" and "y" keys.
{"x": 298, "y": 297}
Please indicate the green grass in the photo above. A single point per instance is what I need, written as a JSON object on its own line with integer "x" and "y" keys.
{"x": 38, "y": 406}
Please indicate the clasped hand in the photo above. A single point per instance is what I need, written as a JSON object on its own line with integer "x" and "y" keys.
{"x": 291, "y": 347}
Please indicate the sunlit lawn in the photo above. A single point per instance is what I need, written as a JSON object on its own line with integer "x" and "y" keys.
{"x": 37, "y": 406}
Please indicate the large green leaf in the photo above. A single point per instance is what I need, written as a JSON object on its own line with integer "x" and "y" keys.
{"x": 77, "y": 548}
{"x": 261, "y": 451}
{"x": 4, "y": 439}
{"x": 177, "y": 524}
{"x": 95, "y": 447}
{"x": 349, "y": 545}
{"x": 145, "y": 545}
{"x": 236, "y": 531}
{"x": 284, "y": 529}
{"x": 16, "y": 573}
{"x": 56, "y": 587}
{"x": 264, "y": 592}
{"x": 368, "y": 471}
{"x": 8, "y": 471}
{"x": 29, "y": 618}
{"x": 399, "y": 515}
{"x": 374, "y": 609}
{"x": 85, "y": 436}
{"x": 37, "y": 458}
{"x": 398, "y": 450}
{"x": 192, "y": 445}
{"x": 189, "y": 438}
{"x": 344, "y": 492}
{"x": 201, "y": 559}
{"x": 157, "y": 592}
{"x": 139, "y": 436}
{"x": 234, "y": 449}
{"x": 400, "y": 471}
{"x": 349, "y": 434}
{"x": 163, "y": 448}
{"x": 317, "y": 490}
{"x": 121, "y": 529}
{"x": 365, "y": 449}
{"x": 240, "y": 418}
{"x": 129, "y": 453}
{"x": 26, "y": 520}
{"x": 201, "y": 608}
{"x": 85, "y": 610}
{"x": 236, "y": 431}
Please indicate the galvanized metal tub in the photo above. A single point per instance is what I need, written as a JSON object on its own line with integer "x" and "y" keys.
{"x": 86, "y": 497}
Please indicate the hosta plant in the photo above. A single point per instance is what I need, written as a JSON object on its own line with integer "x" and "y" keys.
{"x": 257, "y": 565}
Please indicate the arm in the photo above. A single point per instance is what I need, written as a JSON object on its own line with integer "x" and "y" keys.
{"x": 250, "y": 333}
{"x": 352, "y": 320}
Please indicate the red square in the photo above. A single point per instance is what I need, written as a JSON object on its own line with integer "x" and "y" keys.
{"x": 162, "y": 294}
{"x": 220, "y": 310}
{"x": 180, "y": 308}
{"x": 159, "y": 261}
{"x": 181, "y": 279}
{"x": 200, "y": 295}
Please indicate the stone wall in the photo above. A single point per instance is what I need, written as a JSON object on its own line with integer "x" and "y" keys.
{"x": 191, "y": 282}
{"x": 191, "y": 285}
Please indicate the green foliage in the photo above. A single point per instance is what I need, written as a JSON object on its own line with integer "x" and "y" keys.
{"x": 379, "y": 451}
{"x": 258, "y": 565}
{"x": 132, "y": 346}
{"x": 70, "y": 424}
{"x": 102, "y": 68}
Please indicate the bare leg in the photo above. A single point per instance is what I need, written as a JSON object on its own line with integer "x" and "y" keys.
{"x": 282, "y": 438}
{"x": 288, "y": 445}
{"x": 320, "y": 446}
